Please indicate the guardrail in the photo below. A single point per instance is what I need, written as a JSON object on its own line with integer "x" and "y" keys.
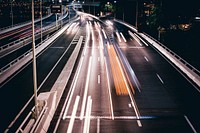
{"x": 191, "y": 72}
{"x": 5, "y": 49}
{"x": 19, "y": 25}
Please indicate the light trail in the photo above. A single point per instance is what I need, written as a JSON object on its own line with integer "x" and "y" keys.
{"x": 104, "y": 34}
{"x": 86, "y": 90}
{"x": 73, "y": 88}
{"x": 123, "y": 37}
{"x": 118, "y": 36}
{"x": 110, "y": 97}
{"x": 71, "y": 123}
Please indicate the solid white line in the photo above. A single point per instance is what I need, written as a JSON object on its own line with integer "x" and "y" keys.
{"x": 160, "y": 78}
{"x": 98, "y": 125}
{"x": 71, "y": 123}
{"x": 188, "y": 121}
{"x": 86, "y": 90}
{"x": 73, "y": 88}
{"x": 99, "y": 79}
{"x": 146, "y": 58}
{"x": 123, "y": 37}
{"x": 110, "y": 97}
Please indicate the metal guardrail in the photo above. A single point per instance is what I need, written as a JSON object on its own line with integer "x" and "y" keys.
{"x": 23, "y": 41}
{"x": 22, "y": 56}
{"x": 31, "y": 125}
{"x": 9, "y": 28}
{"x": 175, "y": 55}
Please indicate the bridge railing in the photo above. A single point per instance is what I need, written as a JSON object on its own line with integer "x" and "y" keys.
{"x": 175, "y": 55}
{"x": 10, "y": 28}
{"x": 192, "y": 73}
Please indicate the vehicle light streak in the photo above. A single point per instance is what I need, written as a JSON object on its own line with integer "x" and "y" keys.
{"x": 98, "y": 24}
{"x": 87, "y": 39}
{"x": 92, "y": 40}
{"x": 88, "y": 115}
{"x": 86, "y": 90}
{"x": 110, "y": 97}
{"x": 123, "y": 37}
{"x": 73, "y": 88}
{"x": 119, "y": 81}
{"x": 71, "y": 123}
{"x": 133, "y": 35}
{"x": 141, "y": 39}
{"x": 104, "y": 34}
{"x": 118, "y": 36}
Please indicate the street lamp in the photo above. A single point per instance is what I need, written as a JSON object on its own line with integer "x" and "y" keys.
{"x": 11, "y": 10}
{"x": 34, "y": 64}
{"x": 41, "y": 19}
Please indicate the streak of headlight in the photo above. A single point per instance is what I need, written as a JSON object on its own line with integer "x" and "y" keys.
{"x": 104, "y": 34}
{"x": 110, "y": 97}
{"x": 86, "y": 90}
{"x": 123, "y": 37}
{"x": 88, "y": 115}
{"x": 70, "y": 28}
{"x": 74, "y": 84}
{"x": 118, "y": 36}
{"x": 71, "y": 123}
{"x": 92, "y": 30}
{"x": 141, "y": 39}
{"x": 88, "y": 38}
{"x": 138, "y": 41}
{"x": 99, "y": 25}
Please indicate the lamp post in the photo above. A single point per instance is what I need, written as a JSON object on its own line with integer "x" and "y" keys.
{"x": 11, "y": 10}
{"x": 34, "y": 64}
{"x": 41, "y": 19}
{"x": 136, "y": 15}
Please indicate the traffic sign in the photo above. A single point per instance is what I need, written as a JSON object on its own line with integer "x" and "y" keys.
{"x": 56, "y": 8}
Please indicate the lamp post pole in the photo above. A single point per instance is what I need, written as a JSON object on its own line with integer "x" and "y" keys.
{"x": 41, "y": 19}
{"x": 34, "y": 64}
{"x": 136, "y": 15}
{"x": 11, "y": 11}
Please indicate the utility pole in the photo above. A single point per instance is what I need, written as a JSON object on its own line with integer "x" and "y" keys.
{"x": 34, "y": 64}
{"x": 11, "y": 10}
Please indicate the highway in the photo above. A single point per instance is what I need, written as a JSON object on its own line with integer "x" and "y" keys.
{"x": 18, "y": 89}
{"x": 158, "y": 98}
{"x": 120, "y": 84}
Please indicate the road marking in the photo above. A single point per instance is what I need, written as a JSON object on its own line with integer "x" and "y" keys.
{"x": 110, "y": 97}
{"x": 160, "y": 78}
{"x": 129, "y": 105}
{"x": 86, "y": 90}
{"x": 88, "y": 115}
{"x": 58, "y": 47}
{"x": 123, "y": 37}
{"x": 73, "y": 88}
{"x": 98, "y": 125}
{"x": 146, "y": 59}
{"x": 71, "y": 123}
{"x": 99, "y": 79}
{"x": 188, "y": 121}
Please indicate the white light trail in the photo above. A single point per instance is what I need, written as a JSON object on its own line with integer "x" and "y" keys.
{"x": 104, "y": 34}
{"x": 73, "y": 88}
{"x": 141, "y": 39}
{"x": 71, "y": 123}
{"x": 86, "y": 90}
{"x": 110, "y": 97}
{"x": 118, "y": 36}
{"x": 123, "y": 37}
{"x": 88, "y": 115}
{"x": 138, "y": 41}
